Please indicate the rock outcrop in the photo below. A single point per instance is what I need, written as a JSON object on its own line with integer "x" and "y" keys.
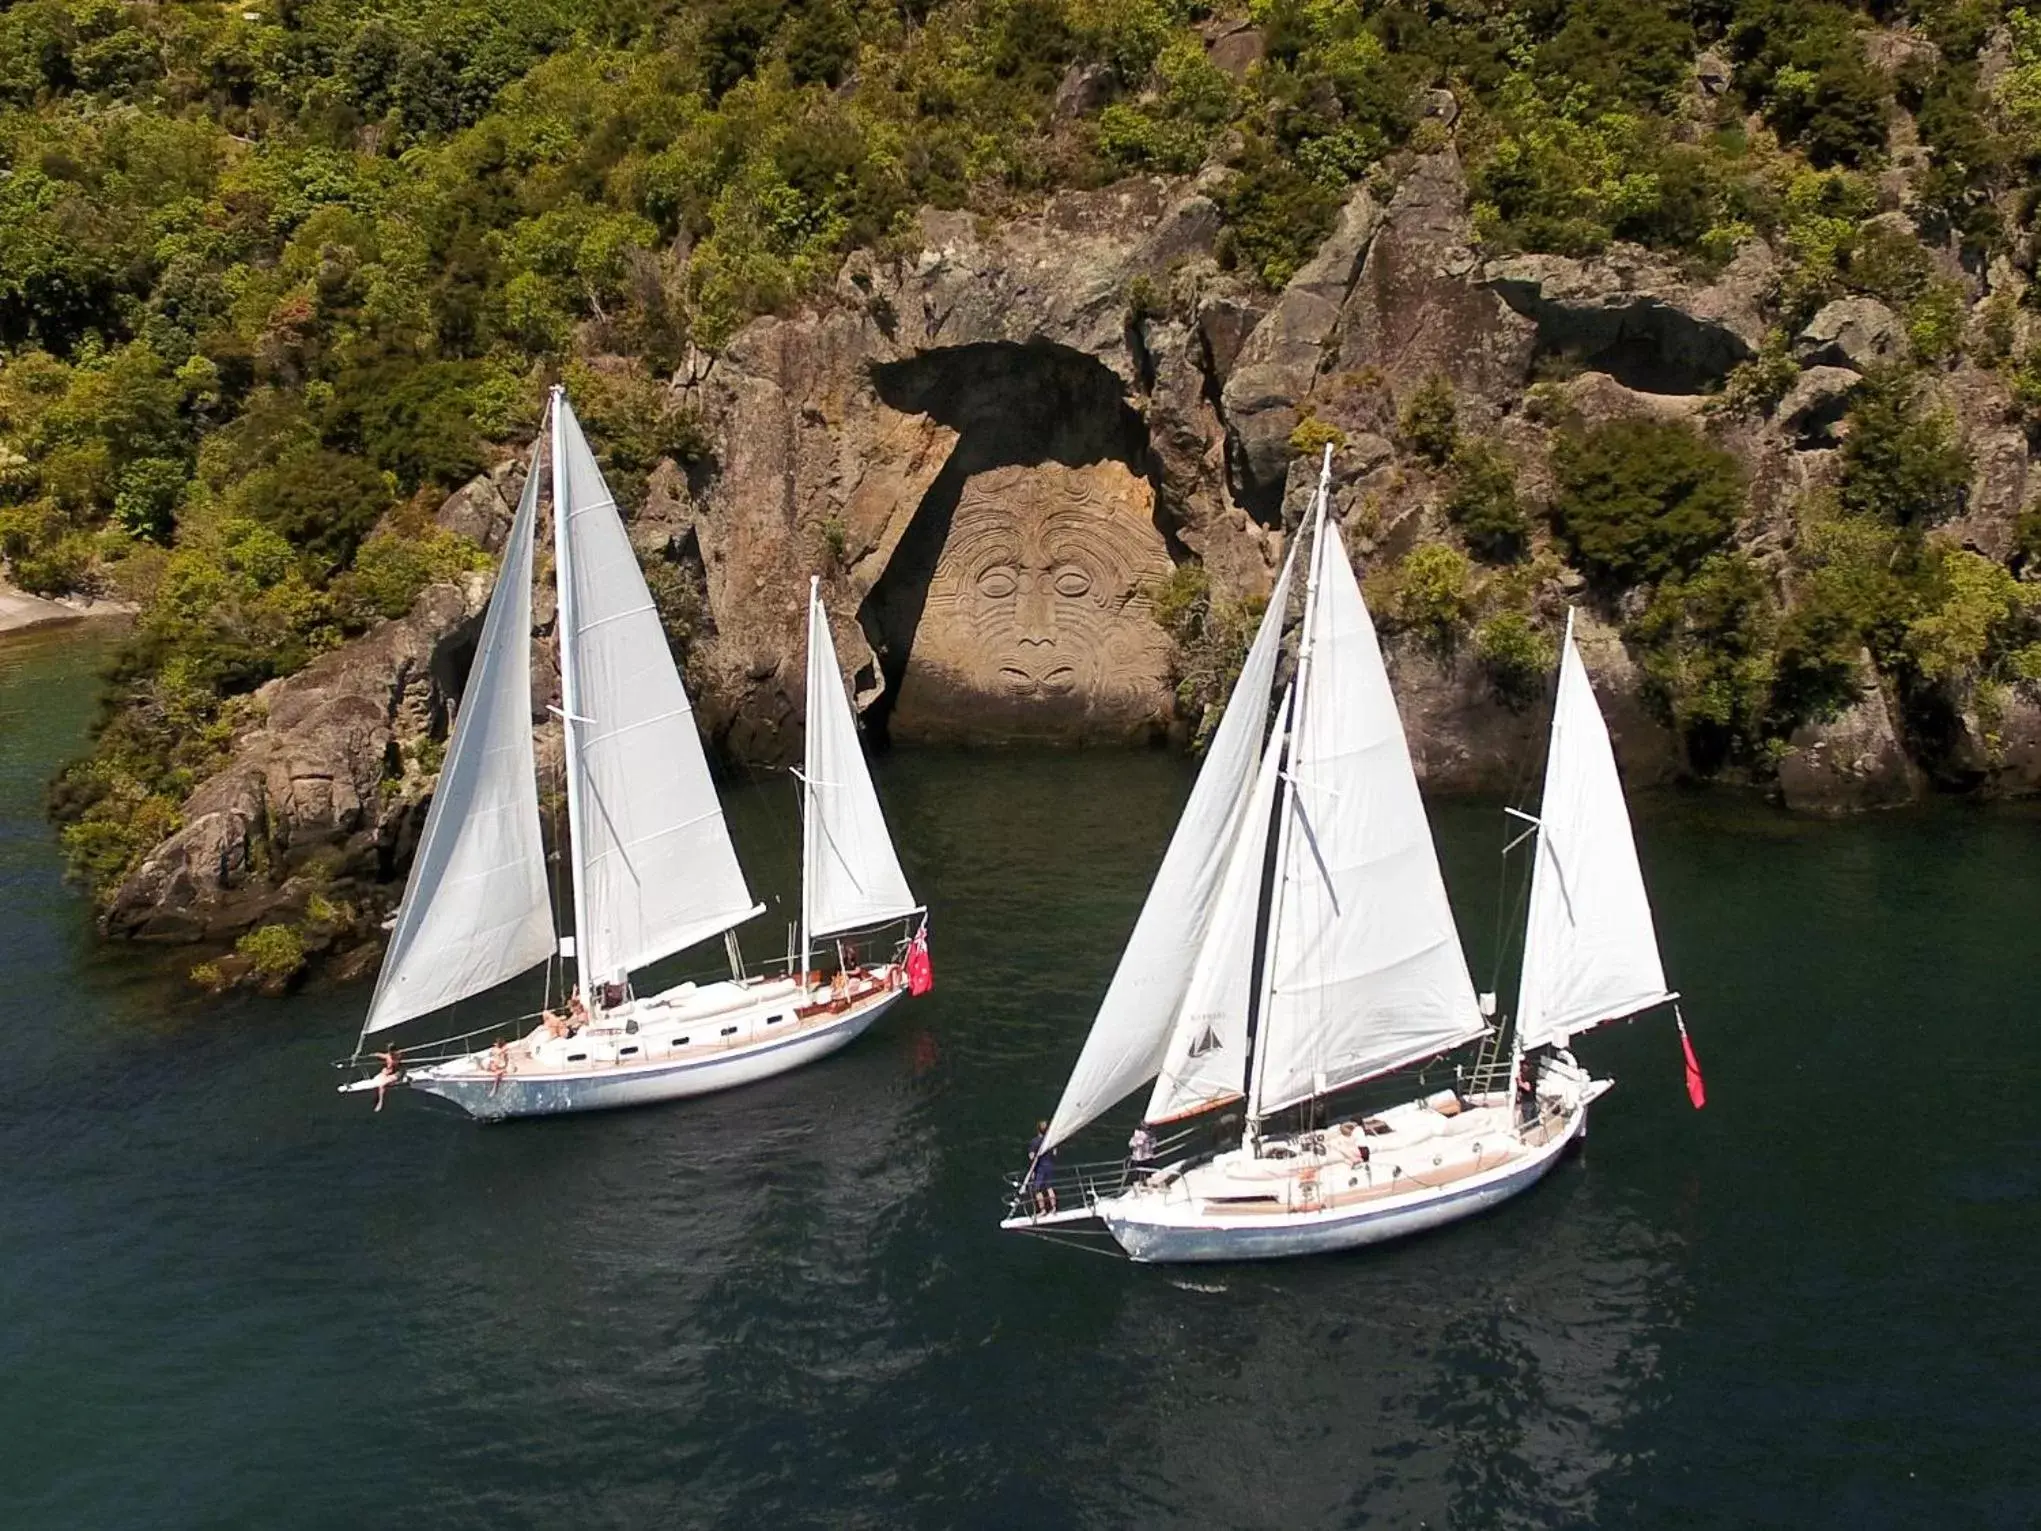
{"x": 1631, "y": 316}
{"x": 323, "y": 793}
{"x": 1274, "y": 370}
{"x": 1853, "y": 762}
{"x": 1861, "y": 333}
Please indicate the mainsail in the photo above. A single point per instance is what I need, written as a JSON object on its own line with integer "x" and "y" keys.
{"x": 1206, "y": 1062}
{"x": 1128, "y": 1038}
{"x": 1364, "y": 968}
{"x": 852, "y": 876}
{"x": 475, "y": 910}
{"x": 654, "y": 869}
{"x": 1590, "y": 950}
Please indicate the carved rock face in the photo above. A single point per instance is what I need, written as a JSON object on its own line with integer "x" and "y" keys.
{"x": 1035, "y": 619}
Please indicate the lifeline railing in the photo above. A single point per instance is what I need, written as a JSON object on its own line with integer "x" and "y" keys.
{"x": 1079, "y": 1185}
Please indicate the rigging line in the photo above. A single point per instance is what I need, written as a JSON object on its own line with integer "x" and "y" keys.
{"x": 1070, "y": 1238}
{"x": 583, "y": 630}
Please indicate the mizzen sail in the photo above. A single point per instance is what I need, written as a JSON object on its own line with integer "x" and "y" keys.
{"x": 1364, "y": 969}
{"x": 852, "y": 875}
{"x": 475, "y": 910}
{"x": 1131, "y": 1031}
{"x": 1590, "y": 949}
{"x": 653, "y": 864}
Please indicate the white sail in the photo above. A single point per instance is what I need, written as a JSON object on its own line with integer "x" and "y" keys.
{"x": 852, "y": 877}
{"x": 654, "y": 868}
{"x": 1206, "y": 1062}
{"x": 1590, "y": 950}
{"x": 1365, "y": 971}
{"x": 475, "y": 909}
{"x": 1132, "y": 1028}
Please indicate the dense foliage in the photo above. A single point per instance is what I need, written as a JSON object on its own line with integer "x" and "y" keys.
{"x": 1640, "y": 499}
{"x": 275, "y": 276}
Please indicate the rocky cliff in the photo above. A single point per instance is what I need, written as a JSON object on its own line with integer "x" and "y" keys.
{"x": 998, "y": 441}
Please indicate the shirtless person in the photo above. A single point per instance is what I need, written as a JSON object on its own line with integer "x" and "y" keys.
{"x": 392, "y": 1072}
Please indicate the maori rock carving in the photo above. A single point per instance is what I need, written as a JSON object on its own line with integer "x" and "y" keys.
{"x": 1036, "y": 619}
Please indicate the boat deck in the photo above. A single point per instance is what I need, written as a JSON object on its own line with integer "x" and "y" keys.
{"x": 684, "y": 1023}
{"x": 1420, "y": 1146}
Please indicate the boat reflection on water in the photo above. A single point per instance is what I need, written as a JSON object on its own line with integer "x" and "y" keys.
{"x": 1487, "y": 1374}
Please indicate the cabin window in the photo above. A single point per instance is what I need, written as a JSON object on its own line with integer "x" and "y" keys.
{"x": 577, "y": 1057}
{"x": 681, "y": 1041}
{"x": 774, "y": 1020}
{"x": 729, "y": 1031}
{"x": 626, "y": 1052}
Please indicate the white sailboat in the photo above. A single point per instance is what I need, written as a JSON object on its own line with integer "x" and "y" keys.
{"x": 1298, "y": 941}
{"x": 653, "y": 868}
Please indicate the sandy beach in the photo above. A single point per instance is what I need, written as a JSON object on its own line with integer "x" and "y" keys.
{"x": 20, "y": 611}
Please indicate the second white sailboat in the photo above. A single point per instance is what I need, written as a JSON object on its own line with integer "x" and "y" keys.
{"x": 1298, "y": 942}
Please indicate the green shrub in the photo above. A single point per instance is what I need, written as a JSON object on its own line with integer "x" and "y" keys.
{"x": 1516, "y": 657}
{"x": 118, "y": 822}
{"x": 1276, "y": 216}
{"x": 1803, "y": 63}
{"x": 1976, "y": 613}
{"x": 1755, "y": 387}
{"x": 275, "y": 951}
{"x": 1483, "y": 503}
{"x": 1432, "y": 596}
{"x": 1312, "y": 436}
{"x": 322, "y": 503}
{"x": 1210, "y": 638}
{"x": 391, "y": 569}
{"x": 1901, "y": 464}
{"x": 1707, "y": 648}
{"x": 416, "y": 422}
{"x": 1641, "y": 500}
{"x": 1430, "y": 421}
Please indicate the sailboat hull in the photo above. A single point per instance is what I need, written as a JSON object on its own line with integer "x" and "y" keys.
{"x": 770, "y": 1037}
{"x": 1441, "y": 1179}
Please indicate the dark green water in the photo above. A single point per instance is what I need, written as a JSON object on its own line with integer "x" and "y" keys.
{"x": 230, "y": 1298}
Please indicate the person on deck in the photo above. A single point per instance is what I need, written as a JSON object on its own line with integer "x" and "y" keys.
{"x": 1140, "y": 1150}
{"x": 1527, "y": 1094}
{"x": 1041, "y": 1170}
{"x": 391, "y": 1073}
{"x": 555, "y": 1023}
{"x": 577, "y": 1012}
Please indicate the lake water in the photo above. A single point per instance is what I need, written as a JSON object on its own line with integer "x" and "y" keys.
{"x": 229, "y": 1297}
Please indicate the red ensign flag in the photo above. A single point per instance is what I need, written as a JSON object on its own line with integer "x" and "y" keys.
{"x": 920, "y": 971}
{"x": 1697, "y": 1092}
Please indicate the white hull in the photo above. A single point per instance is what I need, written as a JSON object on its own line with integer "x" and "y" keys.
{"x": 693, "y": 1040}
{"x": 1315, "y": 1194}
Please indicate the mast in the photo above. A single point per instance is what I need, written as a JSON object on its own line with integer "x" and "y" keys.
{"x": 808, "y": 742}
{"x": 570, "y": 710}
{"x": 1301, "y": 693}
